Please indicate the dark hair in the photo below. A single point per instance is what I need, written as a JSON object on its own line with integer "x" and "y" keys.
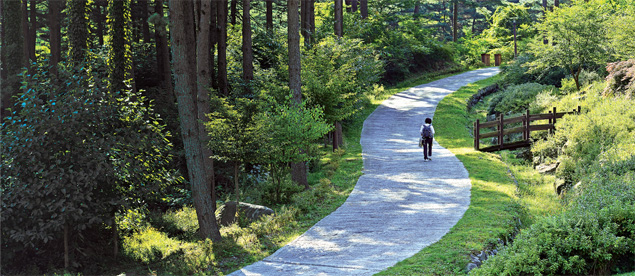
{"x": 428, "y": 121}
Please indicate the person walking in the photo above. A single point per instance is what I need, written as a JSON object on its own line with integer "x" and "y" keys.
{"x": 427, "y": 134}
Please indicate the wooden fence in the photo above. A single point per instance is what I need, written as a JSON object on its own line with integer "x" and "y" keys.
{"x": 525, "y": 129}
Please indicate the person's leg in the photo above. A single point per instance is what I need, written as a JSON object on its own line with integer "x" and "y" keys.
{"x": 425, "y": 149}
{"x": 430, "y": 147}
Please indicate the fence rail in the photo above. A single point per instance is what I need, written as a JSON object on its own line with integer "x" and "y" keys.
{"x": 525, "y": 129}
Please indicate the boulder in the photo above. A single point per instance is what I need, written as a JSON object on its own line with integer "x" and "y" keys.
{"x": 227, "y": 212}
{"x": 547, "y": 168}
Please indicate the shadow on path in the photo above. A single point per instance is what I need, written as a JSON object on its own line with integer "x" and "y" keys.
{"x": 399, "y": 206}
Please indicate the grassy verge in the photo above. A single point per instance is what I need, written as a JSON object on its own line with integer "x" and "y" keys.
{"x": 494, "y": 210}
{"x": 168, "y": 243}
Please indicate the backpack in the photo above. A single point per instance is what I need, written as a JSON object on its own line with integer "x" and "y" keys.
{"x": 426, "y": 131}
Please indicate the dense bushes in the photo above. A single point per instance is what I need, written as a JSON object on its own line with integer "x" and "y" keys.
{"x": 73, "y": 154}
{"x": 517, "y": 98}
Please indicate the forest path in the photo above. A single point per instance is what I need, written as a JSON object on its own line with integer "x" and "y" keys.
{"x": 399, "y": 205}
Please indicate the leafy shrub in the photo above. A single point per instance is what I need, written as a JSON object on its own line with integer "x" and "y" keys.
{"x": 573, "y": 243}
{"x": 274, "y": 192}
{"x": 308, "y": 200}
{"x": 621, "y": 79}
{"x": 517, "y": 72}
{"x": 516, "y": 98}
{"x": 180, "y": 222}
{"x": 74, "y": 153}
{"x": 149, "y": 245}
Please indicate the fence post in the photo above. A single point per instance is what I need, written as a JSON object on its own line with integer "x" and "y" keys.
{"x": 476, "y": 134}
{"x": 526, "y": 125}
{"x": 500, "y": 132}
{"x": 555, "y": 117}
{"x": 579, "y": 110}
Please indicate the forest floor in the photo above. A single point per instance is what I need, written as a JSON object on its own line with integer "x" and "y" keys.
{"x": 399, "y": 206}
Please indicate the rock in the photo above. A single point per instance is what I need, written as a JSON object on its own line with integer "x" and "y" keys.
{"x": 524, "y": 154}
{"x": 482, "y": 257}
{"x": 227, "y": 212}
{"x": 471, "y": 266}
{"x": 547, "y": 168}
{"x": 559, "y": 185}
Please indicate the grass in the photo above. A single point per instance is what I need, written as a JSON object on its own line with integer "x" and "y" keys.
{"x": 170, "y": 245}
{"x": 494, "y": 210}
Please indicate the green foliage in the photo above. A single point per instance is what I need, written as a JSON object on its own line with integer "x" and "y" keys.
{"x": 580, "y": 36}
{"x": 149, "y": 245}
{"x": 279, "y": 190}
{"x": 405, "y": 45}
{"x": 336, "y": 73}
{"x": 516, "y": 98}
{"x": 286, "y": 129}
{"x": 72, "y": 155}
{"x": 517, "y": 72}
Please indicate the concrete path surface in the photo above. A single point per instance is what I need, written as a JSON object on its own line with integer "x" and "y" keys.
{"x": 399, "y": 205}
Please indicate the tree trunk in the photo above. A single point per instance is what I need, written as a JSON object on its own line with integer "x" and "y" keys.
{"x": 544, "y": 13}
{"x": 312, "y": 16}
{"x": 248, "y": 55}
{"x": 269, "y": 15}
{"x": 363, "y": 8}
{"x": 298, "y": 170}
{"x": 556, "y": 3}
{"x": 66, "y": 247}
{"x": 236, "y": 190}
{"x": 99, "y": 19}
{"x": 338, "y": 18}
{"x": 455, "y": 16}
{"x": 354, "y": 6}
{"x": 416, "y": 11}
{"x": 213, "y": 34}
{"x": 55, "y": 34}
{"x": 234, "y": 11}
{"x": 77, "y": 30}
{"x": 222, "y": 48}
{"x": 119, "y": 55}
{"x": 32, "y": 31}
{"x": 12, "y": 51}
{"x": 183, "y": 52}
{"x": 145, "y": 27}
{"x": 305, "y": 15}
{"x": 163, "y": 53}
{"x": 3, "y": 68}
{"x": 25, "y": 32}
{"x": 204, "y": 68}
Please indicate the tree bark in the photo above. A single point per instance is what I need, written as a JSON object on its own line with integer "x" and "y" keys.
{"x": 339, "y": 28}
{"x": 544, "y": 13}
{"x": 183, "y": 52}
{"x": 12, "y": 51}
{"x": 234, "y": 11}
{"x": 269, "y": 15}
{"x": 55, "y": 34}
{"x": 223, "y": 86}
{"x": 416, "y": 11}
{"x": 203, "y": 67}
{"x": 363, "y": 8}
{"x": 32, "y": 31}
{"x": 248, "y": 55}
{"x": 26, "y": 32}
{"x": 298, "y": 170}
{"x": 3, "y": 68}
{"x": 163, "y": 53}
{"x": 99, "y": 19}
{"x": 145, "y": 27}
{"x": 77, "y": 30}
{"x": 66, "y": 247}
{"x": 556, "y": 3}
{"x": 455, "y": 25}
{"x": 354, "y": 6}
{"x": 305, "y": 15}
{"x": 119, "y": 57}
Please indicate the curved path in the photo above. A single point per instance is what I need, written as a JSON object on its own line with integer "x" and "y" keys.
{"x": 399, "y": 205}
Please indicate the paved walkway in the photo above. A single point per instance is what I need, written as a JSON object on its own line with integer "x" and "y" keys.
{"x": 399, "y": 205}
